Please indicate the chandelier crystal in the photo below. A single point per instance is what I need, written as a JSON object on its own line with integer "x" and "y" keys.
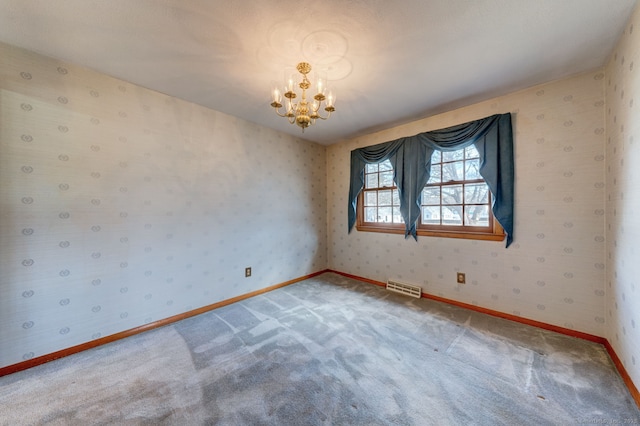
{"x": 304, "y": 112}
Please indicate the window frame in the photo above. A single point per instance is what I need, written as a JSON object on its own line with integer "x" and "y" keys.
{"x": 494, "y": 232}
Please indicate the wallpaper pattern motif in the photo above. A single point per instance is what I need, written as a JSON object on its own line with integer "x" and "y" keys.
{"x": 623, "y": 198}
{"x": 120, "y": 206}
{"x": 554, "y": 271}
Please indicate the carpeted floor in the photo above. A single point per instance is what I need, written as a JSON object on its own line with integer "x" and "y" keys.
{"x": 328, "y": 351}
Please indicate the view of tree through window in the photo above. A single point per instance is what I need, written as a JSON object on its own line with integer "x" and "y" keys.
{"x": 456, "y": 194}
{"x": 455, "y": 200}
{"x": 381, "y": 201}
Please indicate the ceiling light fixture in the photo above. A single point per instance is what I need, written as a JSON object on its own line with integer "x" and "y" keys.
{"x": 303, "y": 113}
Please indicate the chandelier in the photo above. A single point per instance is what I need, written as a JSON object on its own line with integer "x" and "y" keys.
{"x": 304, "y": 112}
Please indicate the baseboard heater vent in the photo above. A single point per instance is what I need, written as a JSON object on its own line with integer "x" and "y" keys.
{"x": 402, "y": 288}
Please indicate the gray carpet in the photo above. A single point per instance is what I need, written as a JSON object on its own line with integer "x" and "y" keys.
{"x": 328, "y": 351}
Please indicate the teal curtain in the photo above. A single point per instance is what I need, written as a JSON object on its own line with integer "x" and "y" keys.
{"x": 411, "y": 161}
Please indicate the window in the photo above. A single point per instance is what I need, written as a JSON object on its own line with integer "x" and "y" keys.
{"x": 381, "y": 201}
{"x": 456, "y": 201}
{"x": 463, "y": 217}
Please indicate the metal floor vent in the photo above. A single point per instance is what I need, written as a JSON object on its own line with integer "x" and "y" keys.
{"x": 402, "y": 288}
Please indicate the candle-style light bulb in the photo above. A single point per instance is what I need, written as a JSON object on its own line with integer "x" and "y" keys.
{"x": 277, "y": 97}
{"x": 330, "y": 99}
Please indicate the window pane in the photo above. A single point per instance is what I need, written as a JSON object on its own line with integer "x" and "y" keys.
{"x": 436, "y": 157}
{"x": 471, "y": 152}
{"x": 386, "y": 179}
{"x": 371, "y": 168}
{"x": 384, "y": 214}
{"x": 370, "y": 198}
{"x": 453, "y": 171}
{"x": 436, "y": 175}
{"x": 431, "y": 196}
{"x": 370, "y": 214}
{"x": 385, "y": 166}
{"x": 431, "y": 215}
{"x": 453, "y": 155}
{"x": 372, "y": 181}
{"x": 384, "y": 198}
{"x": 397, "y": 217}
{"x": 476, "y": 193}
{"x": 396, "y": 197}
{"x": 452, "y": 194}
{"x": 476, "y": 216}
{"x": 472, "y": 169}
{"x": 452, "y": 215}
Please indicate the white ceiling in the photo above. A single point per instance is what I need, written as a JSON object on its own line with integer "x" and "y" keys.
{"x": 388, "y": 62}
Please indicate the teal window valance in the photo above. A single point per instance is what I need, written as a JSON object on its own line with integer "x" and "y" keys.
{"x": 411, "y": 161}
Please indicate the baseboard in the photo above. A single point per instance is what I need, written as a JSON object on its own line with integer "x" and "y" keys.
{"x": 633, "y": 390}
{"x": 623, "y": 373}
{"x": 551, "y": 327}
{"x": 14, "y": 368}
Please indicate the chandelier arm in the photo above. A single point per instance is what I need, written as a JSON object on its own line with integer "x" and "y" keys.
{"x": 290, "y": 118}
{"x": 324, "y": 118}
{"x": 293, "y": 107}
{"x": 278, "y": 112}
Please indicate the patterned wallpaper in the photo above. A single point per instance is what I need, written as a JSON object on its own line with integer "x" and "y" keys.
{"x": 623, "y": 198}
{"x": 120, "y": 206}
{"x": 554, "y": 272}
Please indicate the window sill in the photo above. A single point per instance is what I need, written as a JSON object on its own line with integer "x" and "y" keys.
{"x": 438, "y": 234}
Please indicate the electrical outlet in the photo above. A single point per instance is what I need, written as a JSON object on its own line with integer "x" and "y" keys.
{"x": 247, "y": 272}
{"x": 461, "y": 278}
